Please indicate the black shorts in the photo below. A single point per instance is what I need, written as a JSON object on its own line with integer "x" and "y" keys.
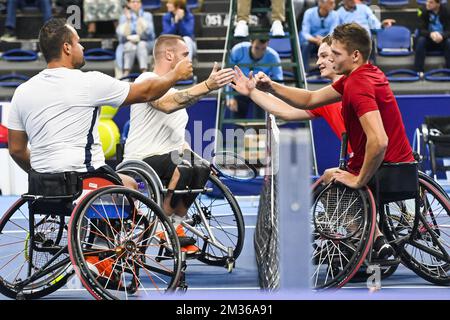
{"x": 165, "y": 164}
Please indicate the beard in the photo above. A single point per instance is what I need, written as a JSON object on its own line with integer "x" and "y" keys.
{"x": 79, "y": 64}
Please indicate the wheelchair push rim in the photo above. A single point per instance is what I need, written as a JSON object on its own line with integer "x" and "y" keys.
{"x": 115, "y": 239}
{"x": 336, "y": 259}
{"x": 30, "y": 254}
{"x": 425, "y": 248}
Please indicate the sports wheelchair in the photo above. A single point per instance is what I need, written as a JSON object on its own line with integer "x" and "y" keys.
{"x": 214, "y": 219}
{"x": 88, "y": 224}
{"x": 413, "y": 214}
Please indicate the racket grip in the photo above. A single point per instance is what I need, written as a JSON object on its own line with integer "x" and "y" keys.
{"x": 343, "y": 154}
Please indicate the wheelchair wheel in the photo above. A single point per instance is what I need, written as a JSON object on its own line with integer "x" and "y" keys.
{"x": 146, "y": 185}
{"x": 219, "y": 219}
{"x": 343, "y": 228}
{"x": 433, "y": 182}
{"x": 385, "y": 272}
{"x": 123, "y": 246}
{"x": 27, "y": 247}
{"x": 424, "y": 240}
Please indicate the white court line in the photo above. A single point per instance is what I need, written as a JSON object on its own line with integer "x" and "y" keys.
{"x": 401, "y": 287}
{"x": 18, "y": 231}
{"x": 190, "y": 288}
{"x": 245, "y": 215}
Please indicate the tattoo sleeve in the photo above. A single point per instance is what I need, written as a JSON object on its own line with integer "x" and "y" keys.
{"x": 185, "y": 99}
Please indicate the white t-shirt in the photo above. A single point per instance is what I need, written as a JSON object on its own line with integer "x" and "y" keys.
{"x": 153, "y": 132}
{"x": 58, "y": 109}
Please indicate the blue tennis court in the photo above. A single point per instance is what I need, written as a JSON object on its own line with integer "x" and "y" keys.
{"x": 210, "y": 282}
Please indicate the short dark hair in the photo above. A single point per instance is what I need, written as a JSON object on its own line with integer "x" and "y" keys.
{"x": 262, "y": 40}
{"x": 327, "y": 39}
{"x": 52, "y": 36}
{"x": 354, "y": 37}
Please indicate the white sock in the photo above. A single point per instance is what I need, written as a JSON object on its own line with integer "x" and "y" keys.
{"x": 176, "y": 220}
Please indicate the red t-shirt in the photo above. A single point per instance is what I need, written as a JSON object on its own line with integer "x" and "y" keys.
{"x": 332, "y": 114}
{"x": 367, "y": 89}
{"x": 3, "y": 135}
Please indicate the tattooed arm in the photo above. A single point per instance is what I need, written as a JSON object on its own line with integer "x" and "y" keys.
{"x": 173, "y": 101}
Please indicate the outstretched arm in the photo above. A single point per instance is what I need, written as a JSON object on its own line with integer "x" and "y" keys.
{"x": 171, "y": 102}
{"x": 247, "y": 86}
{"x": 298, "y": 98}
{"x": 155, "y": 88}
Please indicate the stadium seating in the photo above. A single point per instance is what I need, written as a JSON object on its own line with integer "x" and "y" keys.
{"x": 282, "y": 46}
{"x": 393, "y": 3}
{"x": 394, "y": 41}
{"x": 16, "y": 55}
{"x": 151, "y": 4}
{"x": 402, "y": 75}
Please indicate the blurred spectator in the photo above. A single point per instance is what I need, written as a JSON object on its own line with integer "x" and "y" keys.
{"x": 136, "y": 34}
{"x": 11, "y": 7}
{"x": 2, "y": 6}
{"x": 180, "y": 21}
{"x": 243, "y": 17}
{"x": 434, "y": 33}
{"x": 361, "y": 13}
{"x": 246, "y": 55}
{"x": 300, "y": 7}
{"x": 318, "y": 22}
{"x": 100, "y": 10}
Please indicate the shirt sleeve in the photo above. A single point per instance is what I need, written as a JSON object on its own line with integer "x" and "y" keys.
{"x": 306, "y": 26}
{"x": 105, "y": 90}
{"x": 168, "y": 26}
{"x": 316, "y": 113}
{"x": 277, "y": 72}
{"x": 187, "y": 25}
{"x": 374, "y": 23}
{"x": 334, "y": 21}
{"x": 362, "y": 97}
{"x": 15, "y": 120}
{"x": 339, "y": 85}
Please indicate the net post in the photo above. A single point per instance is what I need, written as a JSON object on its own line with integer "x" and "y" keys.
{"x": 294, "y": 200}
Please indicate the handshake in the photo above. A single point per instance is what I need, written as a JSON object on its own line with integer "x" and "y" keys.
{"x": 221, "y": 77}
{"x": 245, "y": 85}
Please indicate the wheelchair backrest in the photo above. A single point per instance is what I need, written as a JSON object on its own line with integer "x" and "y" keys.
{"x": 395, "y": 182}
{"x": 55, "y": 193}
{"x": 440, "y": 123}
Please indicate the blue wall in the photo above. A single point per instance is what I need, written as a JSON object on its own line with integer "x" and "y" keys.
{"x": 414, "y": 108}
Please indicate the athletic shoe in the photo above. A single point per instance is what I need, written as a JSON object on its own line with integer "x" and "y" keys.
{"x": 9, "y": 35}
{"x": 277, "y": 29}
{"x": 241, "y": 29}
{"x": 382, "y": 248}
{"x": 186, "y": 243}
